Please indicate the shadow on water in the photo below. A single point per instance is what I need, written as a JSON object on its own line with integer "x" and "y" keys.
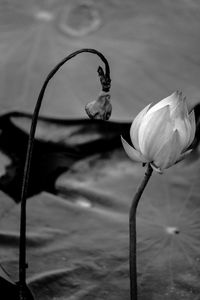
{"x": 58, "y": 145}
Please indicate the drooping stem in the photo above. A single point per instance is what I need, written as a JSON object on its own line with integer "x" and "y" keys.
{"x": 105, "y": 83}
{"x": 133, "y": 233}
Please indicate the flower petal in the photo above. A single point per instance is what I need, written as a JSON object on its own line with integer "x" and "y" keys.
{"x": 193, "y": 127}
{"x": 182, "y": 123}
{"x": 183, "y": 156}
{"x": 169, "y": 153}
{"x": 181, "y": 110}
{"x": 171, "y": 100}
{"x": 131, "y": 152}
{"x": 135, "y": 126}
{"x": 155, "y": 129}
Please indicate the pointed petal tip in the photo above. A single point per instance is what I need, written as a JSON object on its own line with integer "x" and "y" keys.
{"x": 179, "y": 93}
{"x": 183, "y": 156}
{"x": 176, "y": 93}
{"x": 131, "y": 152}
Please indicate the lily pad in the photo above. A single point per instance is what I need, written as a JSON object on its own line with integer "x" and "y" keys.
{"x": 151, "y": 49}
{"x": 77, "y": 232}
{"x": 168, "y": 223}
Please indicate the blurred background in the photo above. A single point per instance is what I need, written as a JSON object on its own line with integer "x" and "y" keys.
{"x": 153, "y": 48}
{"x": 82, "y": 182}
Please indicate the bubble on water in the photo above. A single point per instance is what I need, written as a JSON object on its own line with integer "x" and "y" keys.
{"x": 84, "y": 203}
{"x": 44, "y": 15}
{"x": 172, "y": 230}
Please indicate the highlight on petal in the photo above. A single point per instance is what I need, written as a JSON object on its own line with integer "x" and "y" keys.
{"x": 181, "y": 110}
{"x": 155, "y": 129}
{"x": 131, "y": 152}
{"x": 169, "y": 153}
{"x": 135, "y": 126}
{"x": 171, "y": 100}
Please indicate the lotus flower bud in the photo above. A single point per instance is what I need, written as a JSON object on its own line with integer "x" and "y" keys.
{"x": 101, "y": 108}
{"x": 161, "y": 134}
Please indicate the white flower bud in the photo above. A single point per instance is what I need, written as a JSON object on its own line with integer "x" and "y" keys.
{"x": 161, "y": 134}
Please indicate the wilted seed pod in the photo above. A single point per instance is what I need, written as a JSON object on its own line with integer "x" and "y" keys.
{"x": 162, "y": 134}
{"x": 101, "y": 108}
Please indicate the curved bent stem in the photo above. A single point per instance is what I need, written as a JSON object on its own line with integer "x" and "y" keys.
{"x": 105, "y": 82}
{"x": 132, "y": 234}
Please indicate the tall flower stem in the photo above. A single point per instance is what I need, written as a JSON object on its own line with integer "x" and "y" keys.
{"x": 132, "y": 234}
{"x": 105, "y": 83}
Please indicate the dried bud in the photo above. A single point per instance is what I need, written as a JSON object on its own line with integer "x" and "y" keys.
{"x": 101, "y": 108}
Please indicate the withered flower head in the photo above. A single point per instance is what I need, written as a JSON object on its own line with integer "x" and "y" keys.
{"x": 101, "y": 108}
